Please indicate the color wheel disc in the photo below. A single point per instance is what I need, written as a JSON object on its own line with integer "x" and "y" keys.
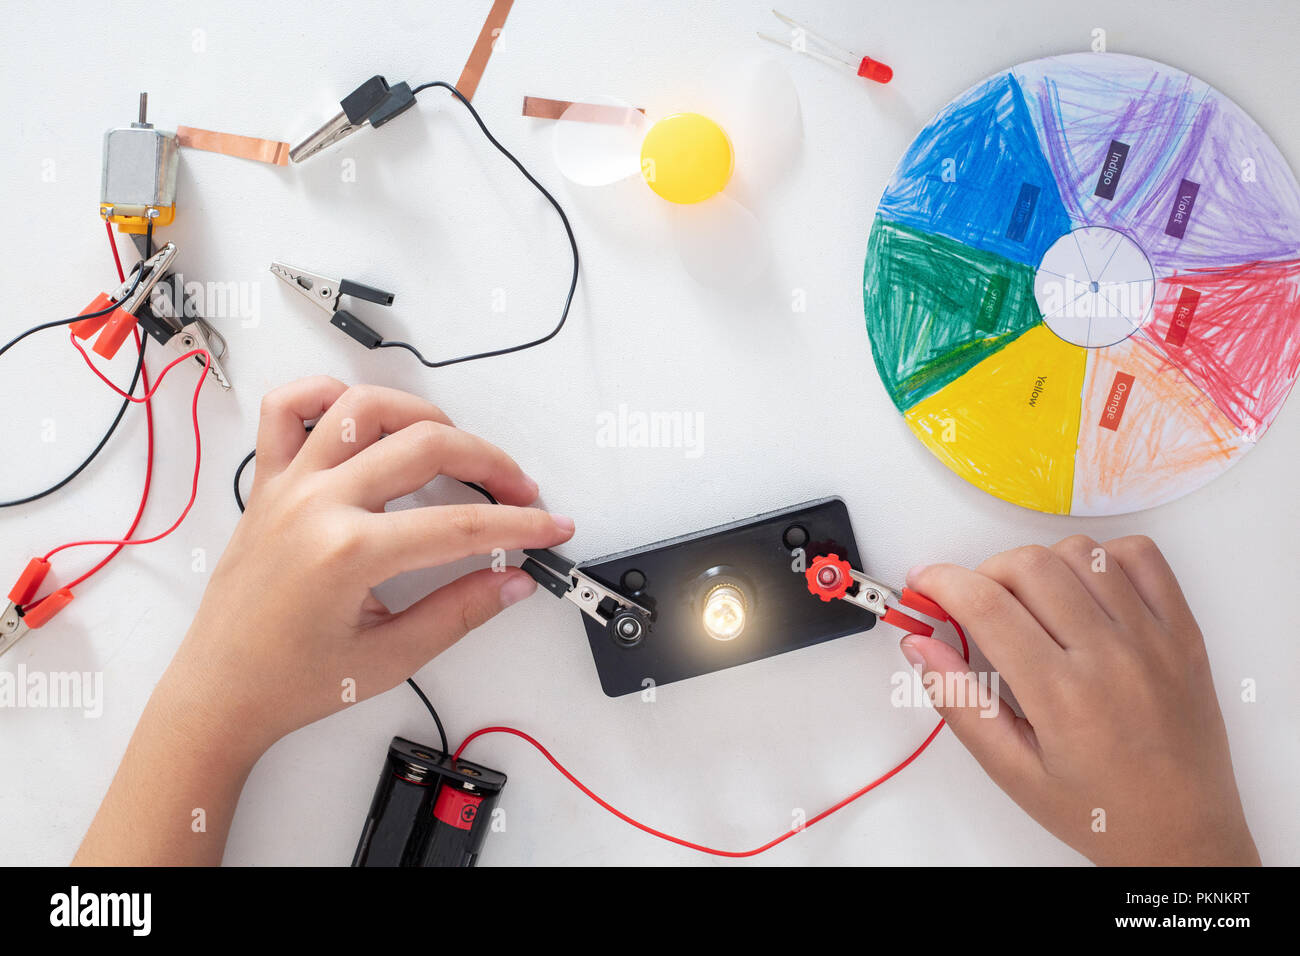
{"x": 1082, "y": 285}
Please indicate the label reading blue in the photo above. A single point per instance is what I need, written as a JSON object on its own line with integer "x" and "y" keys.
{"x": 1023, "y": 212}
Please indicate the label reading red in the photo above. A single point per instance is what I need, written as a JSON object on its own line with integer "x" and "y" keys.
{"x": 1119, "y": 392}
{"x": 1182, "y": 319}
{"x": 456, "y": 807}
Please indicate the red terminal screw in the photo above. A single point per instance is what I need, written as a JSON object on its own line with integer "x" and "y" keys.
{"x": 828, "y": 577}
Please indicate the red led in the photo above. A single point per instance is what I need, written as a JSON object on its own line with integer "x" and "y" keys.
{"x": 875, "y": 70}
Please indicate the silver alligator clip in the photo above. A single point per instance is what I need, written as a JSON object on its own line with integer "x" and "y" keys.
{"x": 12, "y": 628}
{"x": 325, "y": 292}
{"x": 373, "y": 103}
{"x": 197, "y": 334}
{"x": 337, "y": 127}
{"x": 870, "y": 595}
{"x": 321, "y": 291}
{"x": 151, "y": 272}
{"x": 624, "y": 619}
{"x": 184, "y": 333}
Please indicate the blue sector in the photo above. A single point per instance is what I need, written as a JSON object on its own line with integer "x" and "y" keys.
{"x": 977, "y": 174}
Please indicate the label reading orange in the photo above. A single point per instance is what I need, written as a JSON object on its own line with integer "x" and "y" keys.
{"x": 1119, "y": 392}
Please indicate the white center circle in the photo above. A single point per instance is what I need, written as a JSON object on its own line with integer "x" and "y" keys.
{"x": 1094, "y": 287}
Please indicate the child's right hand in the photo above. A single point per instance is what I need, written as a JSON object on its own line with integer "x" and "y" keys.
{"x": 1122, "y": 751}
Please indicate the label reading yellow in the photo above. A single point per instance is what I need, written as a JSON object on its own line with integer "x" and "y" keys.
{"x": 1011, "y": 424}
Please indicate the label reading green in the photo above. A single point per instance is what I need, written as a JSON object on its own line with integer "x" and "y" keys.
{"x": 991, "y": 307}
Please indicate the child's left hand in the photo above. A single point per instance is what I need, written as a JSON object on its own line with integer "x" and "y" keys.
{"x": 289, "y": 617}
{"x": 289, "y": 631}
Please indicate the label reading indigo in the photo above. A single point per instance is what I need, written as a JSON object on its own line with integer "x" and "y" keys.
{"x": 1110, "y": 170}
{"x": 1182, "y": 211}
{"x": 1020, "y": 216}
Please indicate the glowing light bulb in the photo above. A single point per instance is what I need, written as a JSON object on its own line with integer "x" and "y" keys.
{"x": 686, "y": 158}
{"x": 724, "y": 612}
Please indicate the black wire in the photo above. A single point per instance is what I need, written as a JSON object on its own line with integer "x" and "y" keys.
{"x": 410, "y": 680}
{"x": 390, "y": 344}
{"x": 442, "y": 734}
{"x": 239, "y": 473}
{"x": 481, "y": 490}
{"x": 121, "y": 412}
{"x": 568, "y": 229}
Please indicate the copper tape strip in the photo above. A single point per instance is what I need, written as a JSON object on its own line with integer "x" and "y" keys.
{"x": 244, "y": 147}
{"x": 542, "y": 108}
{"x": 478, "y": 57}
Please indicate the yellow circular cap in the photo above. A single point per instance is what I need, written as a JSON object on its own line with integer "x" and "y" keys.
{"x": 686, "y": 158}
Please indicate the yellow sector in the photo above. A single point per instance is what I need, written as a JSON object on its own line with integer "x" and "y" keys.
{"x": 1010, "y": 425}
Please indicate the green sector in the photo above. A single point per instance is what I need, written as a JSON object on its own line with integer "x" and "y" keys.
{"x": 936, "y": 308}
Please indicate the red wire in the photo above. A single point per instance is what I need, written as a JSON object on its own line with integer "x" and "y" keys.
{"x": 735, "y": 854}
{"x": 112, "y": 244}
{"x": 148, "y": 478}
{"x": 147, "y": 400}
{"x": 72, "y": 336}
{"x": 198, "y": 445}
{"x": 148, "y": 414}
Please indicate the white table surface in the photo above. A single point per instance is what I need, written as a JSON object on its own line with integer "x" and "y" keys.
{"x": 791, "y": 408}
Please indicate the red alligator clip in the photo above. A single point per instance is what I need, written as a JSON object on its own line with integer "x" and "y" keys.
{"x": 129, "y": 298}
{"x": 830, "y": 577}
{"x": 22, "y": 615}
